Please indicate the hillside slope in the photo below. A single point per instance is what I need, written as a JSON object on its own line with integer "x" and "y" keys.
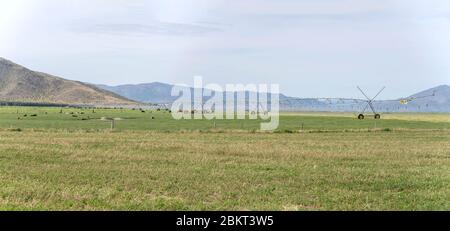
{"x": 19, "y": 84}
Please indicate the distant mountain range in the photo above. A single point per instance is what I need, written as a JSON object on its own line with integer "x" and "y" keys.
{"x": 440, "y": 102}
{"x": 161, "y": 93}
{"x": 19, "y": 84}
{"x": 147, "y": 92}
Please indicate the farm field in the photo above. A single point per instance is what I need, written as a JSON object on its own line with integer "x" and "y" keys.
{"x": 430, "y": 117}
{"x": 89, "y": 119}
{"x": 72, "y": 160}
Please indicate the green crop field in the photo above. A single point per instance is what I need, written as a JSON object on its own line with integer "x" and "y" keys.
{"x": 71, "y": 159}
{"x": 127, "y": 119}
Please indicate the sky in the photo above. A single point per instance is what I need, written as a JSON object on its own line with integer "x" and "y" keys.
{"x": 311, "y": 48}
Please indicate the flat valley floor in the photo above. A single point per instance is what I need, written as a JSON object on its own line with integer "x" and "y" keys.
{"x": 70, "y": 159}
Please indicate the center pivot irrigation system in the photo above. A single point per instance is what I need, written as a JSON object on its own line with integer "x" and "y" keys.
{"x": 369, "y": 102}
{"x": 353, "y": 103}
{"x": 359, "y": 105}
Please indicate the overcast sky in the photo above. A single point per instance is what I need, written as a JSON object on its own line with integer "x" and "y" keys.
{"x": 312, "y": 48}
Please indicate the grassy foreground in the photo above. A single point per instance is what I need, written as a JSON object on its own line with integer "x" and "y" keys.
{"x": 230, "y": 171}
{"x": 56, "y": 161}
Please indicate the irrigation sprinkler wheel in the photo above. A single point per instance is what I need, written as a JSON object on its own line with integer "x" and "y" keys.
{"x": 377, "y": 116}
{"x": 360, "y": 116}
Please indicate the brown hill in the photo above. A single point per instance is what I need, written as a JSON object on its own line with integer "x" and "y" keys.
{"x": 19, "y": 84}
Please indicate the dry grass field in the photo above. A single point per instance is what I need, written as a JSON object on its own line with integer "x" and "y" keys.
{"x": 55, "y": 161}
{"x": 137, "y": 170}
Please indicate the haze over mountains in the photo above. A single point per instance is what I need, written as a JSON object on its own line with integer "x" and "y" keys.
{"x": 161, "y": 93}
{"x": 155, "y": 92}
{"x": 440, "y": 102}
{"x": 19, "y": 84}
